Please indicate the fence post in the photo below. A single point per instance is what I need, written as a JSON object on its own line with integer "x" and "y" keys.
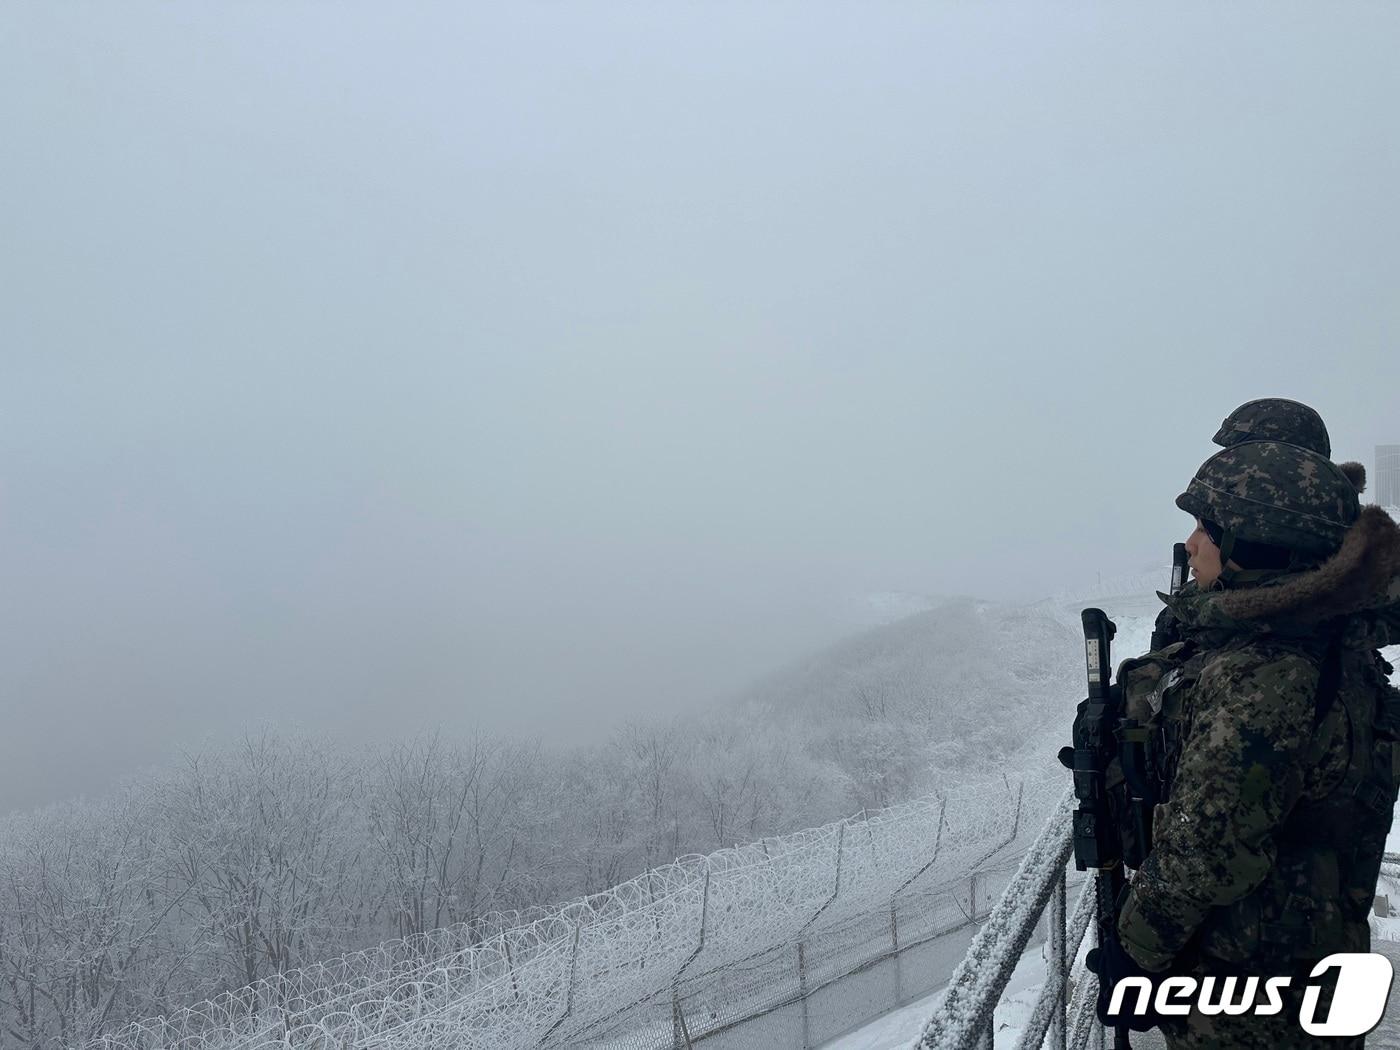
{"x": 972, "y": 896}
{"x": 510, "y": 964}
{"x": 1058, "y": 974}
{"x": 677, "y": 1014}
{"x": 894, "y": 947}
{"x": 840, "y": 852}
{"x": 573, "y": 970}
{"x": 655, "y": 919}
{"x": 680, "y": 1034}
{"x": 569, "y": 990}
{"x": 802, "y": 991}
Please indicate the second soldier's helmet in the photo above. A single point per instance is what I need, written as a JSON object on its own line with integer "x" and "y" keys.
{"x": 1275, "y": 419}
{"x": 1275, "y": 494}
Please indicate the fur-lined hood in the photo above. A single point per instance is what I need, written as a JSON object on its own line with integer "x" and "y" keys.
{"x": 1360, "y": 583}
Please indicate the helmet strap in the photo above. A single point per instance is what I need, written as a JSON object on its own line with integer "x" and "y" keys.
{"x": 1228, "y": 576}
{"x": 1298, "y": 562}
{"x": 1227, "y": 544}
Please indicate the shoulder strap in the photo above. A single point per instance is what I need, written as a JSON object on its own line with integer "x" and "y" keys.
{"x": 1328, "y": 680}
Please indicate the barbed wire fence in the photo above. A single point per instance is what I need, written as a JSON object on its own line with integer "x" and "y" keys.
{"x": 722, "y": 948}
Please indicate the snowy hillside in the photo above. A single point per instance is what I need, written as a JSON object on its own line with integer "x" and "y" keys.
{"x": 882, "y": 607}
{"x": 958, "y": 687}
{"x": 961, "y": 657}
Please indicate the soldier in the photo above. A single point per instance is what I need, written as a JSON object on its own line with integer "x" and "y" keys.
{"x": 1266, "y": 419}
{"x": 1279, "y": 419}
{"x": 1276, "y": 756}
{"x": 1275, "y": 419}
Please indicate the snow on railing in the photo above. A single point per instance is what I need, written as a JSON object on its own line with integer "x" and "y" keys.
{"x": 579, "y": 966}
{"x": 965, "y": 1014}
{"x": 1048, "y": 1013}
{"x": 966, "y": 1011}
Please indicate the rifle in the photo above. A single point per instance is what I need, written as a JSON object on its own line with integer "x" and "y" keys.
{"x": 1114, "y": 776}
{"x": 1165, "y": 631}
{"x": 1098, "y": 838}
{"x": 1181, "y": 565}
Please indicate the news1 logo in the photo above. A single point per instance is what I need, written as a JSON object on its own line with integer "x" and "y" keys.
{"x": 1363, "y": 988}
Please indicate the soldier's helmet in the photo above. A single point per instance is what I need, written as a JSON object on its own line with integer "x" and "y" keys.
{"x": 1275, "y": 419}
{"x": 1276, "y": 494}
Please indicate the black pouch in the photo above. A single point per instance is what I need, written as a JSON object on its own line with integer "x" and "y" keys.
{"x": 1387, "y": 723}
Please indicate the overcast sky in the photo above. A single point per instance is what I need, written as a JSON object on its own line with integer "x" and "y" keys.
{"x": 373, "y": 367}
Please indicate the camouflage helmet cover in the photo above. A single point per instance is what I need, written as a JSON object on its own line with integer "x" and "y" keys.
{"x": 1274, "y": 493}
{"x": 1275, "y": 419}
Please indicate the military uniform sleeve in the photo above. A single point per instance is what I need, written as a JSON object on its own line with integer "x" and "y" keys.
{"x": 1239, "y": 775}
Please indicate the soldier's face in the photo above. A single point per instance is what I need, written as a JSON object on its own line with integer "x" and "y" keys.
{"x": 1204, "y": 557}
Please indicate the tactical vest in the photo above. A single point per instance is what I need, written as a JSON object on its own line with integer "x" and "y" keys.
{"x": 1329, "y": 849}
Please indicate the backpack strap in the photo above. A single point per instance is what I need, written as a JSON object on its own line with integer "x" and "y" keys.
{"x": 1328, "y": 681}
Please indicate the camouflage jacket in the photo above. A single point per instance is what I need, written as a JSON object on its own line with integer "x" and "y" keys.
{"x": 1268, "y": 846}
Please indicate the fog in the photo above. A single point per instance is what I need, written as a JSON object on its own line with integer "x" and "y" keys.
{"x": 527, "y": 366}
